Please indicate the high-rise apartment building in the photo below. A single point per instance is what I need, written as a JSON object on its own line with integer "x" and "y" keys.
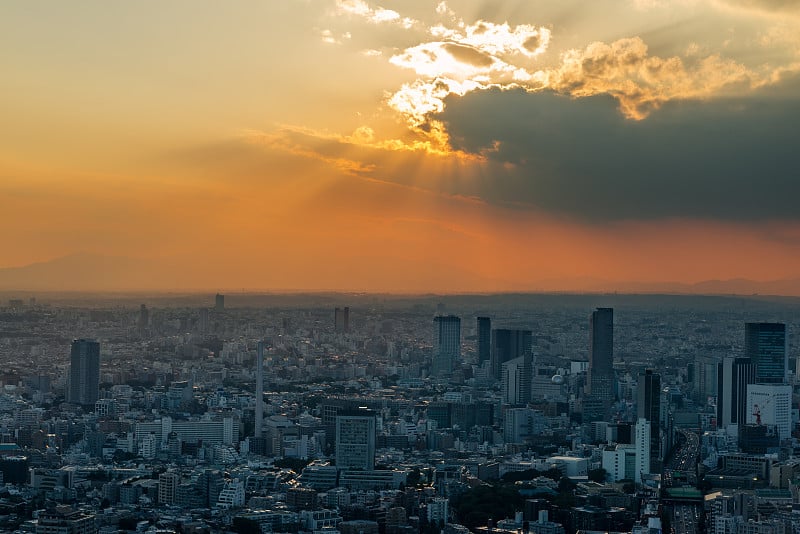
{"x": 734, "y": 375}
{"x": 484, "y": 340}
{"x": 642, "y": 443}
{"x": 84, "y": 372}
{"x": 516, "y": 379}
{"x": 765, "y": 345}
{"x": 508, "y": 345}
{"x": 447, "y": 346}
{"x": 355, "y": 439}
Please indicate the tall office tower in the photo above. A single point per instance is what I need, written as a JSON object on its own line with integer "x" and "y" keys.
{"x": 259, "y": 393}
{"x": 447, "y": 349}
{"x": 355, "y": 439}
{"x": 642, "y": 443}
{"x": 733, "y": 377}
{"x": 84, "y": 372}
{"x": 765, "y": 345}
{"x": 517, "y": 378}
{"x": 704, "y": 379}
{"x": 601, "y": 354}
{"x": 341, "y": 318}
{"x": 770, "y": 404}
{"x": 507, "y": 345}
{"x": 219, "y": 302}
{"x": 648, "y": 407}
{"x": 484, "y": 340}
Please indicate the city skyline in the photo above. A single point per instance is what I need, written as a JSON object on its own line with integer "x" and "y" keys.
{"x": 400, "y": 146}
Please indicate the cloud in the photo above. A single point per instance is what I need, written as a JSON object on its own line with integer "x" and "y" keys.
{"x": 456, "y": 58}
{"x": 735, "y": 159}
{"x": 774, "y": 6}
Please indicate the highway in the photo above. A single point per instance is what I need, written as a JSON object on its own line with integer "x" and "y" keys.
{"x": 681, "y": 470}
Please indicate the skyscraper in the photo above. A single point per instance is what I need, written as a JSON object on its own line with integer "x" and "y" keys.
{"x": 84, "y": 372}
{"x": 355, "y": 439}
{"x": 447, "y": 348}
{"x": 259, "y": 393}
{"x": 642, "y": 443}
{"x": 219, "y": 303}
{"x": 601, "y": 353}
{"x": 516, "y": 378}
{"x": 765, "y": 345}
{"x": 484, "y": 340}
{"x": 649, "y": 408}
{"x": 507, "y": 345}
{"x": 341, "y": 319}
{"x": 733, "y": 376}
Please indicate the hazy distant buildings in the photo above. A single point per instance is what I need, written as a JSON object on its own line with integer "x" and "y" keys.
{"x": 765, "y": 345}
{"x": 355, "y": 439}
{"x": 144, "y": 319}
{"x": 508, "y": 345}
{"x": 484, "y": 340}
{"x": 734, "y": 375}
{"x": 447, "y": 347}
{"x": 341, "y": 319}
{"x": 219, "y": 303}
{"x": 84, "y": 372}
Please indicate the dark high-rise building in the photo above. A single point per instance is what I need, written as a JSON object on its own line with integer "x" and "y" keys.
{"x": 648, "y": 407}
{"x": 484, "y": 340}
{"x": 734, "y": 375}
{"x": 219, "y": 302}
{"x": 447, "y": 347}
{"x": 765, "y": 345}
{"x": 341, "y": 319}
{"x": 600, "y": 378}
{"x": 508, "y": 345}
{"x": 84, "y": 372}
{"x": 601, "y": 354}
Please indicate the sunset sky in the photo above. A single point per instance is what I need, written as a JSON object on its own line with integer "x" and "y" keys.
{"x": 403, "y": 145}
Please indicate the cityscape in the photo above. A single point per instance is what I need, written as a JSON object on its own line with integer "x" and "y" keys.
{"x": 400, "y": 267}
{"x": 344, "y": 413}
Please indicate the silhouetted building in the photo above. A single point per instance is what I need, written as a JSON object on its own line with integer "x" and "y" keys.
{"x": 649, "y": 408}
{"x": 484, "y": 340}
{"x": 219, "y": 302}
{"x": 144, "y": 319}
{"x": 733, "y": 377}
{"x": 84, "y": 372}
{"x": 447, "y": 349}
{"x": 508, "y": 345}
{"x": 341, "y": 319}
{"x": 765, "y": 345}
{"x": 516, "y": 378}
{"x": 601, "y": 353}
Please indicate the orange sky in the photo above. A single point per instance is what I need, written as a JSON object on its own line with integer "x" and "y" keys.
{"x": 262, "y": 146}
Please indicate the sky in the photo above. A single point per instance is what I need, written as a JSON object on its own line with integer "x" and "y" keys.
{"x": 404, "y": 146}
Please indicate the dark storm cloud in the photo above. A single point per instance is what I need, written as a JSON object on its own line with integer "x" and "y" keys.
{"x": 728, "y": 159}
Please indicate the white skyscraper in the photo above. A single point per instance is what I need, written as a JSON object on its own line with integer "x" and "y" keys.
{"x": 770, "y": 404}
{"x": 642, "y": 443}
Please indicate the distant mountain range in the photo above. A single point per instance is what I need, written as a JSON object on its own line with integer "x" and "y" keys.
{"x": 93, "y": 272}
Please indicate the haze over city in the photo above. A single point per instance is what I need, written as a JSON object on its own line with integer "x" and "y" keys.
{"x": 410, "y": 146}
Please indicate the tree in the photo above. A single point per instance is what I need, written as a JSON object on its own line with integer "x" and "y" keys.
{"x": 598, "y": 475}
